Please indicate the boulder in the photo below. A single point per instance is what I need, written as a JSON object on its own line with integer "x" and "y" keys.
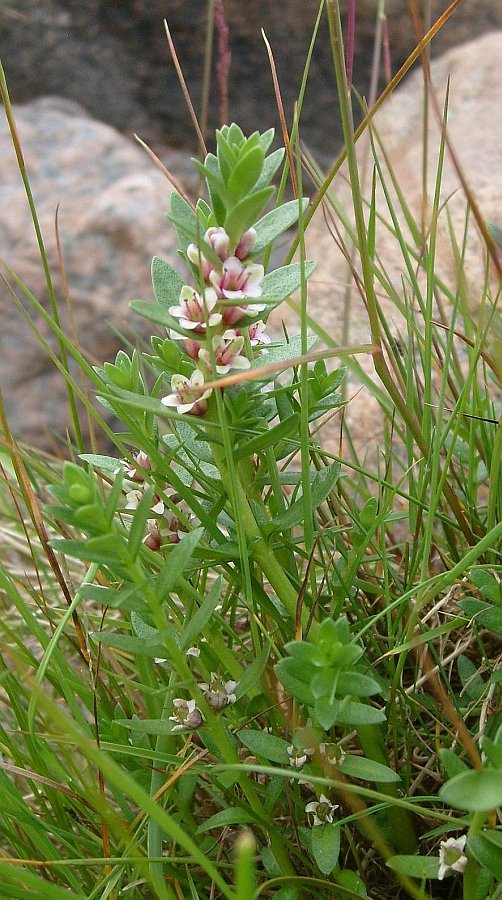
{"x": 113, "y": 58}
{"x": 112, "y": 201}
{"x": 475, "y": 132}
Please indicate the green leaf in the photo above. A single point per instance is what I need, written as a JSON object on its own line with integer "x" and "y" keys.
{"x": 227, "y": 817}
{"x": 156, "y": 313}
{"x": 143, "y": 630}
{"x": 489, "y": 586}
{"x": 138, "y": 524}
{"x": 246, "y": 172}
{"x": 472, "y": 683}
{"x": 493, "y": 751}
{"x": 167, "y": 283}
{"x": 253, "y": 673}
{"x": 270, "y": 747}
{"x": 191, "y": 440}
{"x": 357, "y": 685}
{"x": 280, "y": 432}
{"x": 128, "y": 643}
{"x": 147, "y": 726}
{"x": 326, "y": 712}
{"x": 478, "y": 790}
{"x": 107, "y": 463}
{"x": 130, "y": 598}
{"x": 326, "y": 846}
{"x": 243, "y": 215}
{"x": 184, "y": 220}
{"x": 286, "y": 671}
{"x": 487, "y": 848}
{"x": 415, "y": 866}
{"x": 483, "y": 613}
{"x": 270, "y": 167}
{"x": 352, "y": 883}
{"x": 368, "y": 770}
{"x": 281, "y": 283}
{"x": 266, "y": 138}
{"x": 275, "y": 223}
{"x": 305, "y": 654}
{"x": 453, "y": 765}
{"x": 322, "y": 485}
{"x": 352, "y": 713}
{"x": 108, "y": 550}
{"x": 201, "y": 617}
{"x": 177, "y": 561}
{"x": 285, "y": 351}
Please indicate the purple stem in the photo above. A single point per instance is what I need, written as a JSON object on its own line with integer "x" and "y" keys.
{"x": 224, "y": 58}
{"x": 386, "y": 50}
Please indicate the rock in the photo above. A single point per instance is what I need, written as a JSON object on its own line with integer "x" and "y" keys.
{"x": 113, "y": 59}
{"x": 112, "y": 201}
{"x": 476, "y": 136}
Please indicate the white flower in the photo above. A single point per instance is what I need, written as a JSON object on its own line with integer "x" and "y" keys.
{"x": 186, "y": 717}
{"x": 193, "y": 308}
{"x": 332, "y": 753}
{"x": 299, "y": 756}
{"x": 321, "y": 810}
{"x": 186, "y": 396}
{"x": 227, "y": 349}
{"x": 451, "y": 856}
{"x": 219, "y": 693}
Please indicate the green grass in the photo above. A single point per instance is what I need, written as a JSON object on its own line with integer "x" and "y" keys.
{"x": 345, "y": 602}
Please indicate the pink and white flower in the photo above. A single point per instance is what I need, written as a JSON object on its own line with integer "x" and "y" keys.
{"x": 227, "y": 349}
{"x": 186, "y": 715}
{"x": 246, "y": 244}
{"x": 136, "y": 470}
{"x": 219, "y": 693}
{"x": 133, "y": 499}
{"x": 193, "y": 309}
{"x": 257, "y": 335}
{"x": 187, "y": 395}
{"x": 237, "y": 281}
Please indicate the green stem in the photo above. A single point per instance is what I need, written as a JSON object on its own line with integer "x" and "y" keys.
{"x": 261, "y": 553}
{"x": 404, "y": 838}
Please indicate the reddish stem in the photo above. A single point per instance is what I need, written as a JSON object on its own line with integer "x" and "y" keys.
{"x": 224, "y": 58}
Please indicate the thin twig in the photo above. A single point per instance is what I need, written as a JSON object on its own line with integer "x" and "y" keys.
{"x": 181, "y": 78}
{"x": 282, "y": 117}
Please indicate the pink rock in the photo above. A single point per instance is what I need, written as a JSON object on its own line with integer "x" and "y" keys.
{"x": 475, "y": 130}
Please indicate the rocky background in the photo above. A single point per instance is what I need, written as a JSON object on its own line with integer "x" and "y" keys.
{"x": 112, "y": 58}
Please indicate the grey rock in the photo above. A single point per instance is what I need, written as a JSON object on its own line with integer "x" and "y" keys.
{"x": 112, "y": 202}
{"x": 475, "y": 133}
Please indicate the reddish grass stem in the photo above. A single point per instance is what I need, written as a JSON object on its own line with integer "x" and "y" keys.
{"x": 224, "y": 58}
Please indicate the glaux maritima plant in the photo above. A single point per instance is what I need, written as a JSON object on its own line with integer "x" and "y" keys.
{"x": 206, "y": 519}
